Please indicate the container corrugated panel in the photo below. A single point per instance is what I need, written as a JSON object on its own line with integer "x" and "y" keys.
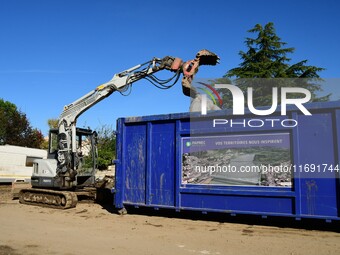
{"x": 153, "y": 154}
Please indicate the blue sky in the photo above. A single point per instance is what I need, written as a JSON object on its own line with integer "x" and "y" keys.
{"x": 53, "y": 52}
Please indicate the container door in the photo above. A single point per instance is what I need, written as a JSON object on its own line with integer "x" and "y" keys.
{"x": 318, "y": 180}
{"x": 134, "y": 158}
{"x": 162, "y": 164}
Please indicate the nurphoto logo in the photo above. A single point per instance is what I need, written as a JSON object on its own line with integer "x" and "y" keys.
{"x": 238, "y": 106}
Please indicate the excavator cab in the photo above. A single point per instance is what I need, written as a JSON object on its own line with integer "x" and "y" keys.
{"x": 84, "y": 161}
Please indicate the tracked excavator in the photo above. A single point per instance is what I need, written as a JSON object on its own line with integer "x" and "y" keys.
{"x": 69, "y": 171}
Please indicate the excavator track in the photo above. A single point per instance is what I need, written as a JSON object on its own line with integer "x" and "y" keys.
{"x": 48, "y": 198}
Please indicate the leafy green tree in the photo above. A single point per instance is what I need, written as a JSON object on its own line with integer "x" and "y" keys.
{"x": 52, "y": 123}
{"x": 267, "y": 58}
{"x": 15, "y": 128}
{"x": 106, "y": 146}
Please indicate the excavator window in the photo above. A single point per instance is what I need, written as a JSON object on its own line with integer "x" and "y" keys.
{"x": 53, "y": 143}
{"x": 86, "y": 149}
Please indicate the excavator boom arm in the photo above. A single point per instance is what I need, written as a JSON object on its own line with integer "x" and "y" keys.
{"x": 67, "y": 150}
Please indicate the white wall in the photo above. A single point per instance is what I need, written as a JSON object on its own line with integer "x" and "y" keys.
{"x": 13, "y": 161}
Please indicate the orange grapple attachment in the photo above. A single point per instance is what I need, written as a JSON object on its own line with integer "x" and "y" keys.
{"x": 206, "y": 57}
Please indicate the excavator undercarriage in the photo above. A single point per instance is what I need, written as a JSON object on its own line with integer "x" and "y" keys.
{"x": 48, "y": 198}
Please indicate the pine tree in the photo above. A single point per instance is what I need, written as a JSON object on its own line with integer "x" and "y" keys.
{"x": 267, "y": 58}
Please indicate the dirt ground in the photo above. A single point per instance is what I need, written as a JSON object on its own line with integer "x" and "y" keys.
{"x": 93, "y": 229}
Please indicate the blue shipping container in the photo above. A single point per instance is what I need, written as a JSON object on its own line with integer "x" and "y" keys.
{"x": 184, "y": 162}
